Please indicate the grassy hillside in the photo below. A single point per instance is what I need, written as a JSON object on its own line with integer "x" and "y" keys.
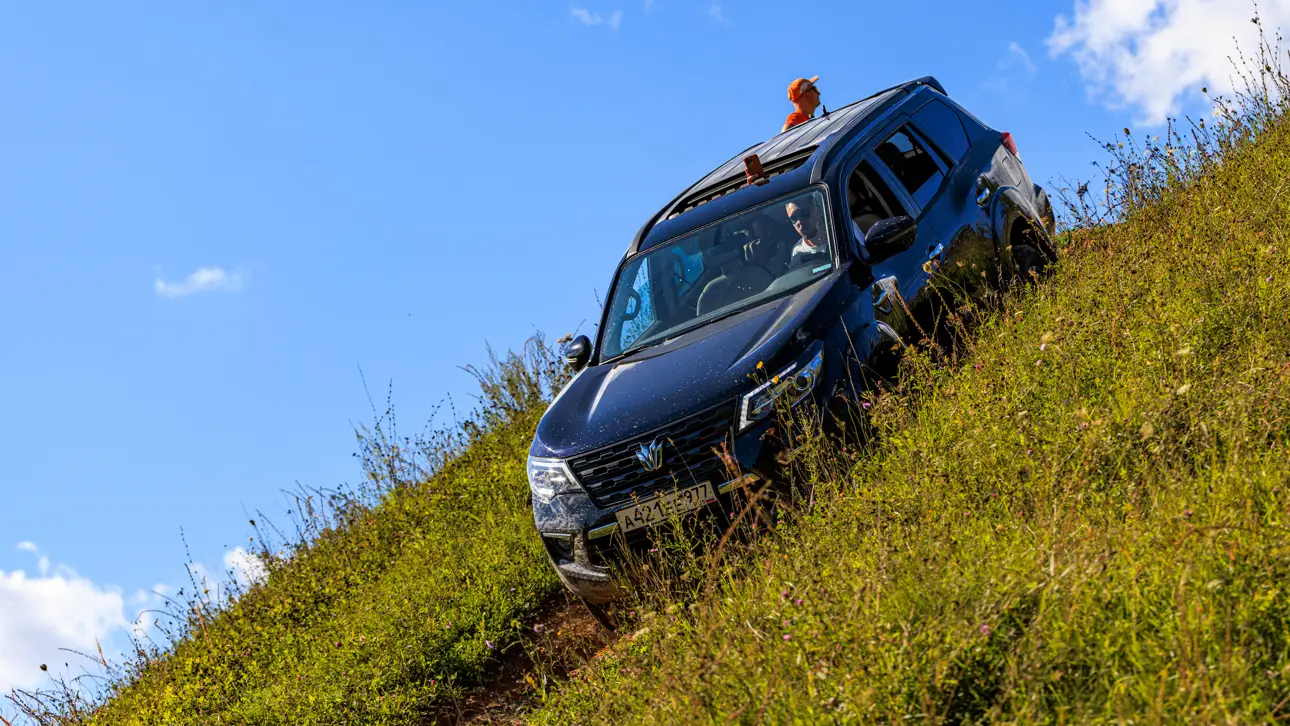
{"x": 1083, "y": 517}
{"x": 382, "y": 617}
{"x": 1088, "y": 520}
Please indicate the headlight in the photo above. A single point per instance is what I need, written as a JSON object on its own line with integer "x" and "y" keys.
{"x": 787, "y": 387}
{"x": 549, "y": 477}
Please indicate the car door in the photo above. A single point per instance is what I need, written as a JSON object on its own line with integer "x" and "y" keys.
{"x": 969, "y": 253}
{"x": 902, "y": 161}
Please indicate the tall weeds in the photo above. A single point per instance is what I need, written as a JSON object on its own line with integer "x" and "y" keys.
{"x": 1083, "y": 521}
{"x": 379, "y": 605}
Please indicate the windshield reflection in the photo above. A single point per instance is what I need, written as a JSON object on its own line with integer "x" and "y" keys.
{"x": 744, "y": 259}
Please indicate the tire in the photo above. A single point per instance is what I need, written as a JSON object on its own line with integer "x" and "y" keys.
{"x": 1029, "y": 263}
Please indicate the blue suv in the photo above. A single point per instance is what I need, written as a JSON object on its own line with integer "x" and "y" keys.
{"x": 786, "y": 274}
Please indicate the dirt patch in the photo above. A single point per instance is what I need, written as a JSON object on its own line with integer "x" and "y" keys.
{"x": 563, "y": 638}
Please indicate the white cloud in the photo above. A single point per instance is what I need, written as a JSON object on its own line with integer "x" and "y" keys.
{"x": 1012, "y": 71}
{"x": 247, "y": 568}
{"x": 718, "y": 13}
{"x": 1022, "y": 58}
{"x": 55, "y": 609}
{"x": 1151, "y": 55}
{"x": 590, "y": 19}
{"x": 205, "y": 279}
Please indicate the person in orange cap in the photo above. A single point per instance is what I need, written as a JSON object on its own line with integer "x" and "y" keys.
{"x": 806, "y": 98}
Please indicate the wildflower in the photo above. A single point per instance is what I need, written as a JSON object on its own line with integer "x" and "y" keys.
{"x": 538, "y": 627}
{"x": 985, "y": 629}
{"x": 759, "y": 364}
{"x": 798, "y": 601}
{"x": 489, "y": 643}
{"x": 1268, "y": 279}
{"x": 787, "y": 637}
{"x": 1187, "y": 513}
{"x": 783, "y": 594}
{"x": 653, "y": 550}
{"x": 865, "y": 404}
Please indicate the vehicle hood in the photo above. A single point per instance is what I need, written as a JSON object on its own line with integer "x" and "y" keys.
{"x": 687, "y": 374}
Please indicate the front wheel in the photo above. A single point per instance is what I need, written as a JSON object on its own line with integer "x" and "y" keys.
{"x": 1030, "y": 264}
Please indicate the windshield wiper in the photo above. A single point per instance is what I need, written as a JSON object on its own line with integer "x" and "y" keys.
{"x": 636, "y": 349}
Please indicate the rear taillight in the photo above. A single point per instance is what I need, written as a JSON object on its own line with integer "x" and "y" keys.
{"x": 1009, "y": 144}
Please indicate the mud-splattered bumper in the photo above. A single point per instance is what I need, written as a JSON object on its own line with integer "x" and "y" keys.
{"x": 582, "y": 555}
{"x": 581, "y": 537}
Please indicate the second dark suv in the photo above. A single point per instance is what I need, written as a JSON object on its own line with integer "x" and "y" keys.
{"x": 771, "y": 281}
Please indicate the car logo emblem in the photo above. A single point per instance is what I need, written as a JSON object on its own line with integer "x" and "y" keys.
{"x": 651, "y": 456}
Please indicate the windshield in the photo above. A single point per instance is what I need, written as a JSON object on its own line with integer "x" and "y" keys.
{"x": 742, "y": 260}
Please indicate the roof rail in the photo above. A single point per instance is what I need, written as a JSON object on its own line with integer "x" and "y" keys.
{"x": 779, "y": 166}
{"x": 929, "y": 81}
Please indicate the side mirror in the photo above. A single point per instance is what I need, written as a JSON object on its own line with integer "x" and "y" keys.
{"x": 889, "y": 236}
{"x": 577, "y": 353}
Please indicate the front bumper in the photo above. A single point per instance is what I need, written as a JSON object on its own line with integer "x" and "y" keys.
{"x": 583, "y": 539}
{"x": 582, "y": 557}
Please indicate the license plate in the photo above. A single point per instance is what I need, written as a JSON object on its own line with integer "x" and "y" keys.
{"x": 651, "y": 512}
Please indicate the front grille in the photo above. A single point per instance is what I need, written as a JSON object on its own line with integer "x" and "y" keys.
{"x": 613, "y": 475}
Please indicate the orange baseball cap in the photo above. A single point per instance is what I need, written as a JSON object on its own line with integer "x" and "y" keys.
{"x": 801, "y": 86}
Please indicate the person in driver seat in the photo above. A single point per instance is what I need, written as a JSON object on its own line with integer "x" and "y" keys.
{"x": 805, "y": 216}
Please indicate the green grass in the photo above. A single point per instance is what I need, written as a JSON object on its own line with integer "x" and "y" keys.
{"x": 382, "y": 618}
{"x": 377, "y": 623}
{"x": 1085, "y": 521}
{"x": 1083, "y": 518}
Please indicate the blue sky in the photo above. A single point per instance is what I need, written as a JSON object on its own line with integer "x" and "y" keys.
{"x": 213, "y": 214}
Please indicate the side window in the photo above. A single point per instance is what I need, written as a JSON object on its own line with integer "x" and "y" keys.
{"x": 638, "y": 315}
{"x": 942, "y": 125}
{"x": 869, "y": 198}
{"x": 912, "y": 164}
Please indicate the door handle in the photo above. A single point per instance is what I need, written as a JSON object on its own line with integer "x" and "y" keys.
{"x": 983, "y": 197}
{"x": 882, "y": 290}
{"x": 936, "y": 252}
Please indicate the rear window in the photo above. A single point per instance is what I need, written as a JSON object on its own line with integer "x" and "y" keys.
{"x": 942, "y": 124}
{"x": 912, "y": 164}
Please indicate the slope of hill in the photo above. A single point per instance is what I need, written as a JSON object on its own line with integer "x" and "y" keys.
{"x": 1083, "y": 519}
{"x": 384, "y": 616}
{"x": 1086, "y": 521}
